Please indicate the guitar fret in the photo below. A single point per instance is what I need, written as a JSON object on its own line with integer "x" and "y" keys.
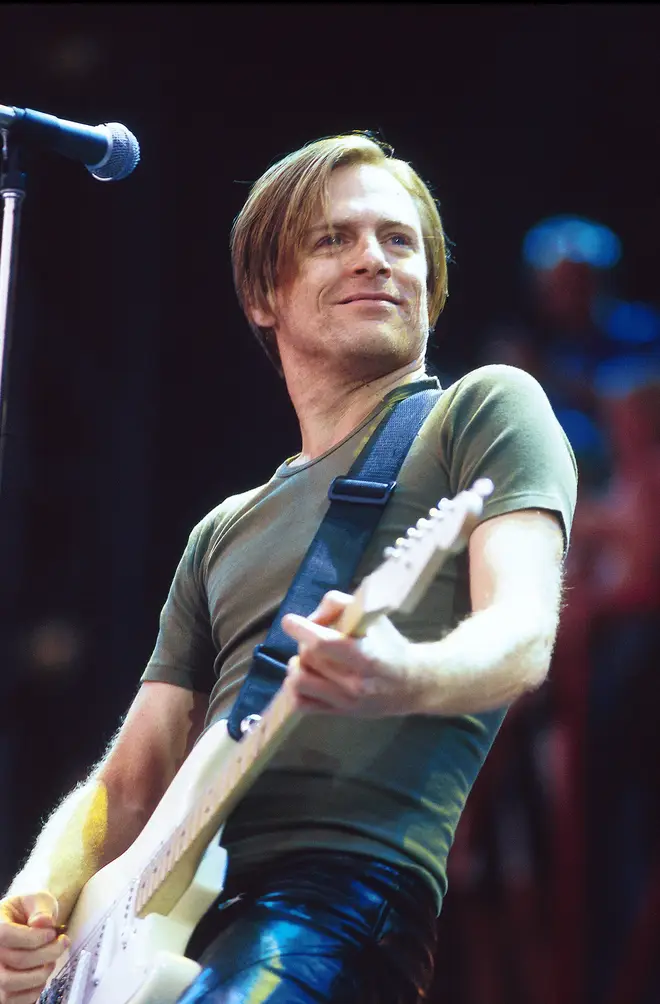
{"x": 193, "y": 822}
{"x": 160, "y": 870}
{"x": 185, "y": 836}
{"x": 197, "y": 818}
{"x": 153, "y": 873}
{"x": 153, "y": 877}
{"x": 147, "y": 887}
{"x": 234, "y": 775}
{"x": 214, "y": 796}
{"x": 263, "y": 739}
{"x": 225, "y": 782}
{"x": 168, "y": 856}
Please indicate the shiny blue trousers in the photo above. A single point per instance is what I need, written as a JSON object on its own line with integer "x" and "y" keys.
{"x": 318, "y": 928}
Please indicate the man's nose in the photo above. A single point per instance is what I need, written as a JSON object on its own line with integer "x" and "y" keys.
{"x": 370, "y": 258}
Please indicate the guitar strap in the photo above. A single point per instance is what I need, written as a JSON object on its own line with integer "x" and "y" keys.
{"x": 357, "y": 501}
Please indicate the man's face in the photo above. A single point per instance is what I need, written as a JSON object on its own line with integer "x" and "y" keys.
{"x": 358, "y": 299}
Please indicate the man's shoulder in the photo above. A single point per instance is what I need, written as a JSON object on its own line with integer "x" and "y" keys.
{"x": 223, "y": 515}
{"x": 231, "y": 507}
{"x": 494, "y": 376}
{"x": 494, "y": 392}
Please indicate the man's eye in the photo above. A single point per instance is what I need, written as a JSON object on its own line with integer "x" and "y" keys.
{"x": 402, "y": 239}
{"x": 330, "y": 240}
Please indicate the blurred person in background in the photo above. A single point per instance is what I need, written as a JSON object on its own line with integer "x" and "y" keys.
{"x": 576, "y": 336}
{"x": 337, "y": 853}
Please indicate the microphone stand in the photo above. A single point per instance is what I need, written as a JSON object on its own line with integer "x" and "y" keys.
{"x": 12, "y": 192}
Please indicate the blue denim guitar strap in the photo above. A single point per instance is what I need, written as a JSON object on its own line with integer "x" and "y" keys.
{"x": 356, "y": 505}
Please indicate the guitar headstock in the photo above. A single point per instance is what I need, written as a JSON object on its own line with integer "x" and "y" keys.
{"x": 412, "y": 562}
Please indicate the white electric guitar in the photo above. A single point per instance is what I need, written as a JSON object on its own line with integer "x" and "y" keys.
{"x": 134, "y": 918}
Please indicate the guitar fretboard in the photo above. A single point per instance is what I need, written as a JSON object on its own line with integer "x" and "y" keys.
{"x": 219, "y": 798}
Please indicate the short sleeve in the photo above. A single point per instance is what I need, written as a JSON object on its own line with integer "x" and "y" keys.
{"x": 185, "y": 652}
{"x": 499, "y": 424}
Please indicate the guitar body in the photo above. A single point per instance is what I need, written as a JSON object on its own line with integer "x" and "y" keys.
{"x": 117, "y": 957}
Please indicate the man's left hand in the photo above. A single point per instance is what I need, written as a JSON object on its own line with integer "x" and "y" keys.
{"x": 369, "y": 677}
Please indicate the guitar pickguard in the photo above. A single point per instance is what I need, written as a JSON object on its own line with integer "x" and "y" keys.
{"x": 131, "y": 960}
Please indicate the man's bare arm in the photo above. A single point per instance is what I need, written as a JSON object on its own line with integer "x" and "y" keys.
{"x": 502, "y": 650}
{"x": 103, "y": 816}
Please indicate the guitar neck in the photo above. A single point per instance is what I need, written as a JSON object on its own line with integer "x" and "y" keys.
{"x": 159, "y": 889}
{"x": 168, "y": 873}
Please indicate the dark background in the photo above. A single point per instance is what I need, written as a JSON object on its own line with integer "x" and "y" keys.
{"x": 138, "y": 397}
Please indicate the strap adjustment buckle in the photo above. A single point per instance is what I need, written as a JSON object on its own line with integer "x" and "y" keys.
{"x": 274, "y": 666}
{"x": 344, "y": 489}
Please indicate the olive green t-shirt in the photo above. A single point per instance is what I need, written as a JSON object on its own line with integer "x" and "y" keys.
{"x": 391, "y": 788}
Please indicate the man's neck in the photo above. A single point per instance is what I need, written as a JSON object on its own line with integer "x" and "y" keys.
{"x": 330, "y": 409}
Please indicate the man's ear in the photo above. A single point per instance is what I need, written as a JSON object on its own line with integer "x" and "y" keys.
{"x": 262, "y": 316}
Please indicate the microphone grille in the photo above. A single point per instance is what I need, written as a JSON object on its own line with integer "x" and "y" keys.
{"x": 122, "y": 156}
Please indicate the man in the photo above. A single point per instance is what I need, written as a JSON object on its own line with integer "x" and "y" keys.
{"x": 338, "y": 852}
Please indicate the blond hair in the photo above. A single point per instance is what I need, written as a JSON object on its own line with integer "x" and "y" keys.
{"x": 269, "y": 230}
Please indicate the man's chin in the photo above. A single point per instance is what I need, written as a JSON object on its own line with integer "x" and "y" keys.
{"x": 370, "y": 359}
{"x": 364, "y": 351}
{"x": 372, "y": 340}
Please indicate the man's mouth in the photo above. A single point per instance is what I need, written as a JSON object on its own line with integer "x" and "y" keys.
{"x": 377, "y": 297}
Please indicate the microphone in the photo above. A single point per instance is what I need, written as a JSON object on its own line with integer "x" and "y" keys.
{"x": 109, "y": 152}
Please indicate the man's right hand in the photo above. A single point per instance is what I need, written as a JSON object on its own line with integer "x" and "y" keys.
{"x": 29, "y": 946}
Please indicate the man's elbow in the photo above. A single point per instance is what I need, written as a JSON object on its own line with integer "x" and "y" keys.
{"x": 537, "y": 656}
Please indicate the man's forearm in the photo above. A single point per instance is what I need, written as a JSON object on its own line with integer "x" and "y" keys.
{"x": 83, "y": 834}
{"x": 488, "y": 661}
